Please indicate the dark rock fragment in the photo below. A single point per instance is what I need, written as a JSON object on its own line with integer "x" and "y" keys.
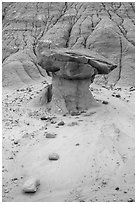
{"x": 16, "y": 141}
{"x": 44, "y": 118}
{"x": 105, "y": 102}
{"x": 14, "y": 179}
{"x": 131, "y": 200}
{"x": 116, "y": 95}
{"x": 132, "y": 88}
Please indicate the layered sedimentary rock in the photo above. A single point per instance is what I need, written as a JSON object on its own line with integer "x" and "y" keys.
{"x": 105, "y": 28}
{"x": 72, "y": 72}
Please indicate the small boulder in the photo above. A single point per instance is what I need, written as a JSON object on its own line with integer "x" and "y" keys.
{"x": 50, "y": 135}
{"x": 132, "y": 88}
{"x": 72, "y": 124}
{"x": 16, "y": 141}
{"x": 53, "y": 156}
{"x": 44, "y": 118}
{"x": 6, "y": 190}
{"x": 61, "y": 123}
{"x": 105, "y": 102}
{"x": 73, "y": 113}
{"x": 31, "y": 185}
{"x": 53, "y": 122}
{"x": 131, "y": 200}
{"x": 14, "y": 179}
{"x": 118, "y": 95}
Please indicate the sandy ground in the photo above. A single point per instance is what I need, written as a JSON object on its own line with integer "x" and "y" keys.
{"x": 96, "y": 148}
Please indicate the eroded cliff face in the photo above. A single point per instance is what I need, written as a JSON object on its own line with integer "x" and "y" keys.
{"x": 105, "y": 28}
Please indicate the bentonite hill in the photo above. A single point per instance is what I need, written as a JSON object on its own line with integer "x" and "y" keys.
{"x": 68, "y": 77}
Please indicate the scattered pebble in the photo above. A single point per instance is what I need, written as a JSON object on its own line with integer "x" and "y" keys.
{"x": 117, "y": 188}
{"x": 11, "y": 157}
{"x": 77, "y": 144}
{"x": 14, "y": 179}
{"x": 130, "y": 200}
{"x": 72, "y": 124}
{"x": 53, "y": 122}
{"x": 75, "y": 113}
{"x": 132, "y": 88}
{"x": 89, "y": 113}
{"x": 44, "y": 118}
{"x": 105, "y": 102}
{"x": 6, "y": 191}
{"x": 31, "y": 185}
{"x": 50, "y": 135}
{"x": 16, "y": 141}
{"x": 116, "y": 95}
{"x": 83, "y": 111}
{"x": 53, "y": 156}
{"x": 61, "y": 123}
{"x": 104, "y": 182}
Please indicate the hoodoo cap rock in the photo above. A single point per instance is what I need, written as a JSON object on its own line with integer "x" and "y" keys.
{"x": 73, "y": 63}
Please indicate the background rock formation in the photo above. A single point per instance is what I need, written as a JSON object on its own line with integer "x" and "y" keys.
{"x": 106, "y": 28}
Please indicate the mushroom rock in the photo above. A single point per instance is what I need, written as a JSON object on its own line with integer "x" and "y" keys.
{"x": 73, "y": 70}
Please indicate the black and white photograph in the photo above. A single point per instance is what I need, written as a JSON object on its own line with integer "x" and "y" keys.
{"x": 68, "y": 101}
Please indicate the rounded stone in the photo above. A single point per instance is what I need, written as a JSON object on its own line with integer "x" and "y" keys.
{"x": 50, "y": 135}
{"x": 61, "y": 123}
{"x": 105, "y": 102}
{"x": 53, "y": 156}
{"x": 31, "y": 185}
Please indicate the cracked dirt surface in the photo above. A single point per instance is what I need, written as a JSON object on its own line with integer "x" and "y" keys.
{"x": 106, "y": 28}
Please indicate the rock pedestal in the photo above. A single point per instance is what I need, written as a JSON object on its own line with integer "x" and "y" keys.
{"x": 72, "y": 72}
{"x": 71, "y": 95}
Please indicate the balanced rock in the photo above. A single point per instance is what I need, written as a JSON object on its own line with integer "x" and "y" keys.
{"x": 70, "y": 83}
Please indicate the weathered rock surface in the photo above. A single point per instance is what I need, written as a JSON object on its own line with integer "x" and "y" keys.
{"x": 105, "y": 28}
